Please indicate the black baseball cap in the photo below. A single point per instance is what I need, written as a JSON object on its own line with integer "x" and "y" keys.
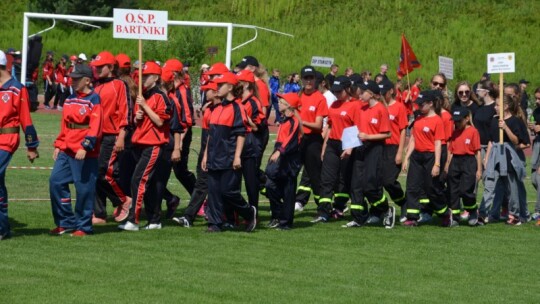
{"x": 308, "y": 71}
{"x": 340, "y": 84}
{"x": 370, "y": 85}
{"x": 428, "y": 95}
{"x": 356, "y": 79}
{"x": 248, "y": 60}
{"x": 81, "y": 70}
{"x": 460, "y": 113}
{"x": 319, "y": 77}
{"x": 524, "y": 81}
{"x": 385, "y": 86}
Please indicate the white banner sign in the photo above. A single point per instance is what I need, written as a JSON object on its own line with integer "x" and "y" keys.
{"x": 501, "y": 63}
{"x": 140, "y": 24}
{"x": 446, "y": 66}
{"x": 322, "y": 61}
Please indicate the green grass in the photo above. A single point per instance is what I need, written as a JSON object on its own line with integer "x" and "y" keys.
{"x": 310, "y": 264}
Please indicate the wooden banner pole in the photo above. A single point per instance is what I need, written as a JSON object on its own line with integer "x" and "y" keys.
{"x": 140, "y": 67}
{"x": 501, "y": 106}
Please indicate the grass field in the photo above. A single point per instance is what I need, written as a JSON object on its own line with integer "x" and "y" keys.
{"x": 309, "y": 264}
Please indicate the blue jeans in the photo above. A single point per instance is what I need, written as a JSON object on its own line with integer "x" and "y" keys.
{"x": 5, "y": 157}
{"x": 82, "y": 173}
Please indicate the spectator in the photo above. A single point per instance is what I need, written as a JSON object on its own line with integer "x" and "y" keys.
{"x": 292, "y": 86}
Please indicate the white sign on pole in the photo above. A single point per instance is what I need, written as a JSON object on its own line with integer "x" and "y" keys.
{"x": 322, "y": 61}
{"x": 501, "y": 63}
{"x": 446, "y": 66}
{"x": 140, "y": 24}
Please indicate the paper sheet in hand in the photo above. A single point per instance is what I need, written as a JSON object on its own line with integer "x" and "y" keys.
{"x": 350, "y": 139}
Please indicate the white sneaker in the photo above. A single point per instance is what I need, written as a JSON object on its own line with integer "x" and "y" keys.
{"x": 60, "y": 108}
{"x": 152, "y": 226}
{"x": 129, "y": 226}
{"x": 182, "y": 221}
{"x": 373, "y": 220}
{"x": 389, "y": 218}
{"x": 351, "y": 224}
{"x": 298, "y": 207}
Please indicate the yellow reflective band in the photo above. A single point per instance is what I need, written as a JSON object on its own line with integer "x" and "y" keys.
{"x": 457, "y": 211}
{"x": 443, "y": 210}
{"x": 413, "y": 211}
{"x": 357, "y": 207}
{"x": 383, "y": 199}
{"x": 325, "y": 200}
{"x": 316, "y": 196}
{"x": 304, "y": 188}
{"x": 345, "y": 195}
{"x": 395, "y": 200}
{"x": 470, "y": 207}
{"x": 424, "y": 201}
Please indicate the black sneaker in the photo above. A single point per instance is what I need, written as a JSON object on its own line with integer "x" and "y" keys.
{"x": 213, "y": 229}
{"x": 172, "y": 205}
{"x": 253, "y": 223}
{"x": 273, "y": 223}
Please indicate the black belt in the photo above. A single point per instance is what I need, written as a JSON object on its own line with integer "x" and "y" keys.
{"x": 72, "y": 125}
{"x": 9, "y": 130}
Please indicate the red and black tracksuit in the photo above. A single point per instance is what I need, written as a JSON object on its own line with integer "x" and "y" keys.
{"x": 283, "y": 173}
{"x": 366, "y": 182}
{"x": 14, "y": 114}
{"x": 464, "y": 146}
{"x": 62, "y": 91}
{"x": 148, "y": 143}
{"x": 422, "y": 188}
{"x": 49, "y": 88}
{"x": 252, "y": 151}
{"x": 227, "y": 123}
{"x": 336, "y": 172}
{"x": 312, "y": 106}
{"x": 117, "y": 110}
{"x": 397, "y": 114}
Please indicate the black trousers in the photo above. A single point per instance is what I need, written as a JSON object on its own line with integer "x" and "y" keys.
{"x": 462, "y": 182}
{"x": 263, "y": 135}
{"x": 181, "y": 171}
{"x": 335, "y": 177}
{"x": 50, "y": 91}
{"x": 223, "y": 193}
{"x": 200, "y": 191}
{"x": 303, "y": 192}
{"x": 143, "y": 183}
{"x": 446, "y": 190}
{"x": 162, "y": 175}
{"x": 281, "y": 193}
{"x": 422, "y": 188}
{"x": 366, "y": 182}
{"x": 390, "y": 174}
{"x": 250, "y": 171}
{"x": 108, "y": 185}
{"x": 61, "y": 95}
{"x": 126, "y": 164}
{"x": 310, "y": 151}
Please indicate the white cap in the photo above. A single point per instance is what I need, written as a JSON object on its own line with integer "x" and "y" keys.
{"x": 3, "y": 59}
{"x": 205, "y": 66}
{"x": 82, "y": 56}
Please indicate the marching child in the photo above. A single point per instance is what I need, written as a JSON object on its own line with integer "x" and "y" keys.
{"x": 76, "y": 152}
{"x": 464, "y": 165}
{"x": 284, "y": 164}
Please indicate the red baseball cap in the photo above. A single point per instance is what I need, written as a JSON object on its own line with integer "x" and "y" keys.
{"x": 245, "y": 75}
{"x": 226, "y": 78}
{"x": 173, "y": 65}
{"x": 103, "y": 58}
{"x": 209, "y": 86}
{"x": 73, "y": 57}
{"x": 167, "y": 75}
{"x": 123, "y": 60}
{"x": 291, "y": 98}
{"x": 217, "y": 69}
{"x": 150, "y": 67}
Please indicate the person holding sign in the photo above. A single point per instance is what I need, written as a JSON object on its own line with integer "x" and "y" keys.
{"x": 424, "y": 186}
{"x": 152, "y": 110}
{"x": 284, "y": 164}
{"x": 366, "y": 184}
{"x": 336, "y": 169}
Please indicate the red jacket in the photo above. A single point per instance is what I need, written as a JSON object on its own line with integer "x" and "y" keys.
{"x": 15, "y": 112}
{"x": 60, "y": 74}
{"x": 81, "y": 125}
{"x": 146, "y": 132}
{"x": 48, "y": 70}
{"x": 116, "y": 104}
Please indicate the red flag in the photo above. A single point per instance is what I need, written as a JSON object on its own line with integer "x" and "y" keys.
{"x": 407, "y": 59}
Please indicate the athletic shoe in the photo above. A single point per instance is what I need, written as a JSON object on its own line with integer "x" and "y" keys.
{"x": 513, "y": 221}
{"x": 448, "y": 220}
{"x": 464, "y": 216}
{"x": 59, "y": 231}
{"x": 129, "y": 226}
{"x": 473, "y": 218}
{"x": 172, "y": 205}
{"x": 273, "y": 223}
{"x": 79, "y": 233}
{"x": 389, "y": 218}
{"x": 504, "y": 214}
{"x": 536, "y": 216}
{"x": 152, "y": 226}
{"x": 373, "y": 219}
{"x": 346, "y": 209}
{"x": 201, "y": 211}
{"x": 124, "y": 210}
{"x": 59, "y": 108}
{"x": 253, "y": 223}
{"x": 228, "y": 226}
{"x": 425, "y": 218}
{"x": 351, "y": 224}
{"x": 98, "y": 220}
{"x": 410, "y": 223}
{"x": 182, "y": 221}
{"x": 320, "y": 219}
{"x": 298, "y": 207}
{"x": 47, "y": 107}
{"x": 4, "y": 236}
{"x": 403, "y": 214}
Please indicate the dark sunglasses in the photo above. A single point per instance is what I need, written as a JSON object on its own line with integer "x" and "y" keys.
{"x": 438, "y": 84}
{"x": 464, "y": 93}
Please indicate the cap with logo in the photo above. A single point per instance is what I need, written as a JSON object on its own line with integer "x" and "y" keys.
{"x": 291, "y": 98}
{"x": 307, "y": 71}
{"x": 217, "y": 69}
{"x": 80, "y": 71}
{"x": 248, "y": 60}
{"x": 340, "y": 84}
{"x": 103, "y": 58}
{"x": 428, "y": 95}
{"x": 226, "y": 78}
{"x": 151, "y": 68}
{"x": 123, "y": 60}
{"x": 245, "y": 75}
{"x": 459, "y": 113}
{"x": 173, "y": 65}
{"x": 371, "y": 86}
{"x": 385, "y": 86}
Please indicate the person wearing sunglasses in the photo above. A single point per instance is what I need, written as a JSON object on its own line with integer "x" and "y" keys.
{"x": 465, "y": 97}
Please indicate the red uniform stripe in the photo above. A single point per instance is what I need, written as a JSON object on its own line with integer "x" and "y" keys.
{"x": 144, "y": 180}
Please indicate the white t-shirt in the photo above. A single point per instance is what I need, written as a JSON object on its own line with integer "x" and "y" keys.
{"x": 330, "y": 98}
